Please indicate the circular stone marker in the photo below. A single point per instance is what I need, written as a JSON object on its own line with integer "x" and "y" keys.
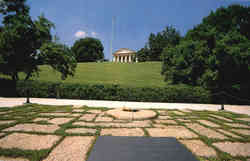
{"x": 131, "y": 114}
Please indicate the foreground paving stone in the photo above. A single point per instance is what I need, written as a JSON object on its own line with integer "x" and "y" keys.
{"x": 229, "y": 133}
{"x": 40, "y": 119}
{"x": 164, "y": 117}
{"x": 237, "y": 125}
{"x": 160, "y": 126}
{"x": 235, "y": 149}
{"x": 73, "y": 148}
{"x": 166, "y": 122}
{"x": 78, "y": 110}
{"x": 178, "y": 113}
{"x": 6, "y": 121}
{"x": 28, "y": 141}
{"x": 3, "y": 113}
{"x": 221, "y": 118}
{"x": 88, "y": 117}
{"x": 76, "y": 114}
{"x": 242, "y": 131}
{"x": 184, "y": 120}
{"x": 244, "y": 119}
{"x": 33, "y": 127}
{"x": 12, "y": 159}
{"x": 205, "y": 131}
{"x": 171, "y": 131}
{"x": 208, "y": 123}
{"x": 95, "y": 111}
{"x": 59, "y": 121}
{"x": 55, "y": 114}
{"x": 199, "y": 148}
{"x": 162, "y": 112}
{"x": 81, "y": 130}
{"x": 104, "y": 119}
{"x": 123, "y": 132}
{"x": 116, "y": 124}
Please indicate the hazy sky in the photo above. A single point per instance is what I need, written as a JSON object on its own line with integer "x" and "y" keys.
{"x": 135, "y": 19}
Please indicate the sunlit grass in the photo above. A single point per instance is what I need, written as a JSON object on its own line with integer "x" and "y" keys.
{"x": 130, "y": 75}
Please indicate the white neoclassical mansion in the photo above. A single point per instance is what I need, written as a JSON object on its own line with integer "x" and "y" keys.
{"x": 124, "y": 55}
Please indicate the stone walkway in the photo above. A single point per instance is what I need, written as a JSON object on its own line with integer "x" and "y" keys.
{"x": 11, "y": 102}
{"x": 64, "y": 133}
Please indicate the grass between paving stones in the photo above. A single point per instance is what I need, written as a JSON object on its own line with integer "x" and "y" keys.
{"x": 205, "y": 115}
{"x": 28, "y": 113}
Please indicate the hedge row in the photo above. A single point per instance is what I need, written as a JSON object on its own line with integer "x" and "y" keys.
{"x": 180, "y": 93}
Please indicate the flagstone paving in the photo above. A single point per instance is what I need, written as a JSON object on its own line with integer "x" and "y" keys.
{"x": 123, "y": 132}
{"x": 87, "y": 117}
{"x": 2, "y": 134}
{"x": 171, "y": 131}
{"x": 72, "y": 148}
{"x": 235, "y": 149}
{"x": 242, "y": 131}
{"x": 164, "y": 117}
{"x": 244, "y": 119}
{"x": 104, "y": 119}
{"x": 81, "y": 130}
{"x": 7, "y": 121}
{"x": 59, "y": 121}
{"x": 237, "y": 125}
{"x": 40, "y": 119}
{"x": 33, "y": 127}
{"x": 178, "y": 113}
{"x": 12, "y": 159}
{"x": 55, "y": 114}
{"x": 78, "y": 110}
{"x": 165, "y": 121}
{"x": 199, "y": 148}
{"x": 60, "y": 133}
{"x": 28, "y": 141}
{"x": 205, "y": 131}
{"x": 95, "y": 111}
{"x": 222, "y": 118}
{"x": 229, "y": 133}
{"x": 209, "y": 123}
{"x": 184, "y": 120}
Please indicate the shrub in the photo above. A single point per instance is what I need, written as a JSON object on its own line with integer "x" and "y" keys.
{"x": 173, "y": 93}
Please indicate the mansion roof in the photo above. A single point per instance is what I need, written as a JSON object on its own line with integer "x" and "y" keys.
{"x": 124, "y": 51}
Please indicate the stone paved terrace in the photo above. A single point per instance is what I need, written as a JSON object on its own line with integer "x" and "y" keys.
{"x": 65, "y": 133}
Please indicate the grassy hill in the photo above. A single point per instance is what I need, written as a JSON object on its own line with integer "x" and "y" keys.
{"x": 130, "y": 75}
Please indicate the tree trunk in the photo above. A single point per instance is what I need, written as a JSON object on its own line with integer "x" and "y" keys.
{"x": 15, "y": 78}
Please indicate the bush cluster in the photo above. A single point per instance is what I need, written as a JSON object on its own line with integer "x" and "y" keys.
{"x": 180, "y": 93}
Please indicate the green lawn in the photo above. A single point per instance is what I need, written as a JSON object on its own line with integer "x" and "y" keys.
{"x": 130, "y": 75}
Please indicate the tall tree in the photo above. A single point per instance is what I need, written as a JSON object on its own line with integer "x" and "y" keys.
{"x": 215, "y": 54}
{"x": 88, "y": 50}
{"x": 157, "y": 42}
{"x": 21, "y": 39}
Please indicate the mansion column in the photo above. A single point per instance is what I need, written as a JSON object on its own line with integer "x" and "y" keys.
{"x": 121, "y": 59}
{"x": 126, "y": 59}
{"x": 129, "y": 58}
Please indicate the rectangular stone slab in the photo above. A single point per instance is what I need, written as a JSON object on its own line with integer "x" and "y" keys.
{"x": 117, "y": 148}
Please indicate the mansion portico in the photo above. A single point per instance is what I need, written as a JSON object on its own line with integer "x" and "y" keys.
{"x": 124, "y": 55}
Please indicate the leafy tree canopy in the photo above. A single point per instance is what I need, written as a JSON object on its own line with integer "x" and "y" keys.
{"x": 215, "y": 54}
{"x": 157, "y": 42}
{"x": 21, "y": 39}
{"x": 88, "y": 50}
